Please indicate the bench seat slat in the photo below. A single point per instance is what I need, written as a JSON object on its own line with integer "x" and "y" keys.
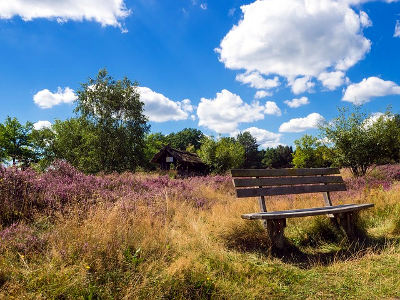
{"x": 250, "y": 182}
{"x": 306, "y": 212}
{"x": 286, "y": 190}
{"x": 283, "y": 172}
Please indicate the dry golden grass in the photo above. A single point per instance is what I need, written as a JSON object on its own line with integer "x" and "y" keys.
{"x": 188, "y": 252}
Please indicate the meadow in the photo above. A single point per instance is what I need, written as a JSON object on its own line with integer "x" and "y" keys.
{"x": 67, "y": 235}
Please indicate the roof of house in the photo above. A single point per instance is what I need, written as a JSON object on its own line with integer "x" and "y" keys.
{"x": 179, "y": 155}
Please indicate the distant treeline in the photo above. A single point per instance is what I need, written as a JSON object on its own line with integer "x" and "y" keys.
{"x": 94, "y": 149}
{"x": 110, "y": 133}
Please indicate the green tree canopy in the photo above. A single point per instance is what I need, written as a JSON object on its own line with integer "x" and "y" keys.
{"x": 310, "y": 153}
{"x": 222, "y": 155}
{"x": 252, "y": 155}
{"x": 153, "y": 144}
{"x": 112, "y": 112}
{"x": 186, "y": 138}
{"x": 76, "y": 141}
{"x": 16, "y": 143}
{"x": 43, "y": 145}
{"x": 279, "y": 157}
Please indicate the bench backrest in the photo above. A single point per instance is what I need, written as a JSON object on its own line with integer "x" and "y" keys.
{"x": 271, "y": 182}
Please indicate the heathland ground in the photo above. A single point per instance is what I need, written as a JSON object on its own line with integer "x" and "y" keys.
{"x": 66, "y": 235}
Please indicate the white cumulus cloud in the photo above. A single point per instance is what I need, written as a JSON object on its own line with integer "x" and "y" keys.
{"x": 397, "y": 29}
{"x": 224, "y": 113}
{"x": 302, "y": 124}
{"x": 272, "y": 109}
{"x": 262, "y": 94}
{"x": 105, "y": 12}
{"x": 41, "y": 124}
{"x": 161, "y": 109}
{"x": 48, "y": 99}
{"x": 264, "y": 137}
{"x": 296, "y": 39}
{"x": 294, "y": 103}
{"x": 301, "y": 85}
{"x": 364, "y": 19}
{"x": 332, "y": 80}
{"x": 362, "y": 92}
{"x": 256, "y": 80}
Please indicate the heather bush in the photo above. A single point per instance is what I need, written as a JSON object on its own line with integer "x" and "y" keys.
{"x": 379, "y": 177}
{"x": 389, "y": 172}
{"x": 20, "y": 238}
{"x": 24, "y": 193}
{"x": 19, "y": 194}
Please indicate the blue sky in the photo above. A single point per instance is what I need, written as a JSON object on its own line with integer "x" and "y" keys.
{"x": 273, "y": 67}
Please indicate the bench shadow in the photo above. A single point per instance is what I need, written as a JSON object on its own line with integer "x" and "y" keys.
{"x": 252, "y": 238}
{"x": 350, "y": 250}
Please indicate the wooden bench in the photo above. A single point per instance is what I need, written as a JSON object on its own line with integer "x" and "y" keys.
{"x": 271, "y": 182}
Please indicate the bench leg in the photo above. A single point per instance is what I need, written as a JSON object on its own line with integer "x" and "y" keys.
{"x": 347, "y": 221}
{"x": 275, "y": 230}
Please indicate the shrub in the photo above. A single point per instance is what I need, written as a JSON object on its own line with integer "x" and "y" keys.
{"x": 360, "y": 141}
